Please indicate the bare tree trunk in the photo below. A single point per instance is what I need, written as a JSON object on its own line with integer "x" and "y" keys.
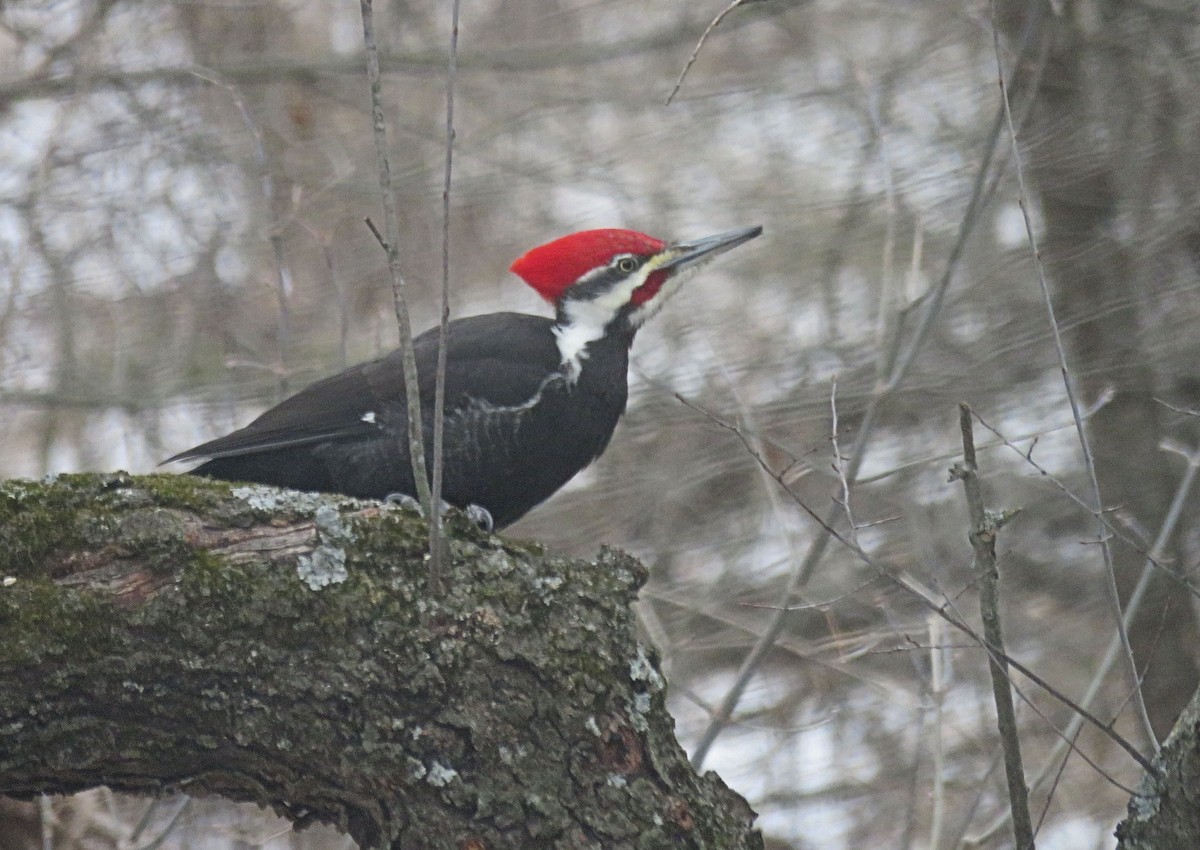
{"x": 163, "y": 633}
{"x": 1088, "y": 146}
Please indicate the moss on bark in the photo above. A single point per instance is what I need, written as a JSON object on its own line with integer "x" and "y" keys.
{"x": 166, "y": 633}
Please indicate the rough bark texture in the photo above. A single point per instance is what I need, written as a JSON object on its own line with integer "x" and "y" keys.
{"x": 162, "y": 633}
{"x": 1164, "y": 814}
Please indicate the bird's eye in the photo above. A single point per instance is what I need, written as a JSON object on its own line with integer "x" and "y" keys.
{"x": 627, "y": 265}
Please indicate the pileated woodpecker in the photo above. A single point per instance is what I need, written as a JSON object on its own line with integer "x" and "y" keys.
{"x": 529, "y": 400}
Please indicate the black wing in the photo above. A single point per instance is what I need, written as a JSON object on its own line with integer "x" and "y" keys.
{"x": 499, "y": 357}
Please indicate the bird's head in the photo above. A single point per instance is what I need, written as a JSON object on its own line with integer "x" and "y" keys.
{"x": 596, "y": 277}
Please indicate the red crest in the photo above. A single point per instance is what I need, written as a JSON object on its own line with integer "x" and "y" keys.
{"x": 552, "y": 268}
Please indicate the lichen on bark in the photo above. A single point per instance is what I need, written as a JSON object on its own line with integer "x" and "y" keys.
{"x": 163, "y": 633}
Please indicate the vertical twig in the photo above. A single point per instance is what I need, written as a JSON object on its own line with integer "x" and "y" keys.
{"x": 936, "y": 602}
{"x": 283, "y": 290}
{"x": 270, "y": 192}
{"x": 892, "y": 370}
{"x": 343, "y": 302}
{"x": 46, "y": 821}
{"x": 984, "y": 525}
{"x": 390, "y": 242}
{"x": 937, "y": 691}
{"x": 1132, "y": 604}
{"x": 439, "y": 397}
{"x": 1089, "y": 461}
{"x": 839, "y": 462}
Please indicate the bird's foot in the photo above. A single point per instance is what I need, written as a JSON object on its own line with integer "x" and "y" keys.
{"x": 481, "y": 516}
{"x": 477, "y": 514}
{"x": 405, "y": 501}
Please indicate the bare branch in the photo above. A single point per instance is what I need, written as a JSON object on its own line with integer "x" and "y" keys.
{"x": 275, "y": 69}
{"x": 1132, "y": 606}
{"x": 716, "y": 22}
{"x": 984, "y": 527}
{"x": 1152, "y": 559}
{"x": 390, "y": 242}
{"x": 439, "y": 398}
{"x": 1072, "y": 397}
{"x": 839, "y": 464}
{"x": 309, "y": 682}
{"x": 925, "y": 597}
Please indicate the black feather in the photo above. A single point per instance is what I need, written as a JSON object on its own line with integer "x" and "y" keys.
{"x": 516, "y": 429}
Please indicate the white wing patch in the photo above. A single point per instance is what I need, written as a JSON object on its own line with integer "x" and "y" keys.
{"x": 368, "y": 417}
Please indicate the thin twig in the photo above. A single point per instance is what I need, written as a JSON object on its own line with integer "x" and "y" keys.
{"x": 439, "y": 396}
{"x": 1153, "y": 560}
{"x": 699, "y": 44}
{"x": 1186, "y": 411}
{"x": 1084, "y": 442}
{"x": 46, "y": 821}
{"x": 144, "y": 821}
{"x": 419, "y": 62}
{"x": 165, "y": 832}
{"x": 839, "y": 464}
{"x": 390, "y": 243}
{"x": 270, "y": 192}
{"x": 937, "y": 692}
{"x": 924, "y": 597}
{"x": 892, "y": 370}
{"x": 343, "y": 303}
{"x": 1133, "y": 604}
{"x": 984, "y": 527}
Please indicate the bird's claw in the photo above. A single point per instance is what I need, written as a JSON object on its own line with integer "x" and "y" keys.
{"x": 480, "y": 515}
{"x": 405, "y": 501}
{"x": 477, "y": 514}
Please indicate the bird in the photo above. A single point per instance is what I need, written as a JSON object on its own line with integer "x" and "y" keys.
{"x": 529, "y": 400}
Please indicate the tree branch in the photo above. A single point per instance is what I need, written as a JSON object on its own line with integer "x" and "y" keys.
{"x": 391, "y": 241}
{"x": 165, "y": 633}
{"x": 1163, "y": 813}
{"x": 305, "y": 69}
{"x": 984, "y": 527}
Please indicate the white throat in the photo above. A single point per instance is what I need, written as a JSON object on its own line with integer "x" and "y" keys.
{"x": 585, "y": 320}
{"x": 585, "y": 323}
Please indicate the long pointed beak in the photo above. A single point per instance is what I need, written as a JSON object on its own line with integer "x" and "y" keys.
{"x": 688, "y": 253}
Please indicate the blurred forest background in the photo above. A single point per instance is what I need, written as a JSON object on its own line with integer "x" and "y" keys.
{"x": 182, "y": 194}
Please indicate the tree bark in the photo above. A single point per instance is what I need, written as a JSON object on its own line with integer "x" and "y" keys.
{"x": 164, "y": 633}
{"x": 1164, "y": 813}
